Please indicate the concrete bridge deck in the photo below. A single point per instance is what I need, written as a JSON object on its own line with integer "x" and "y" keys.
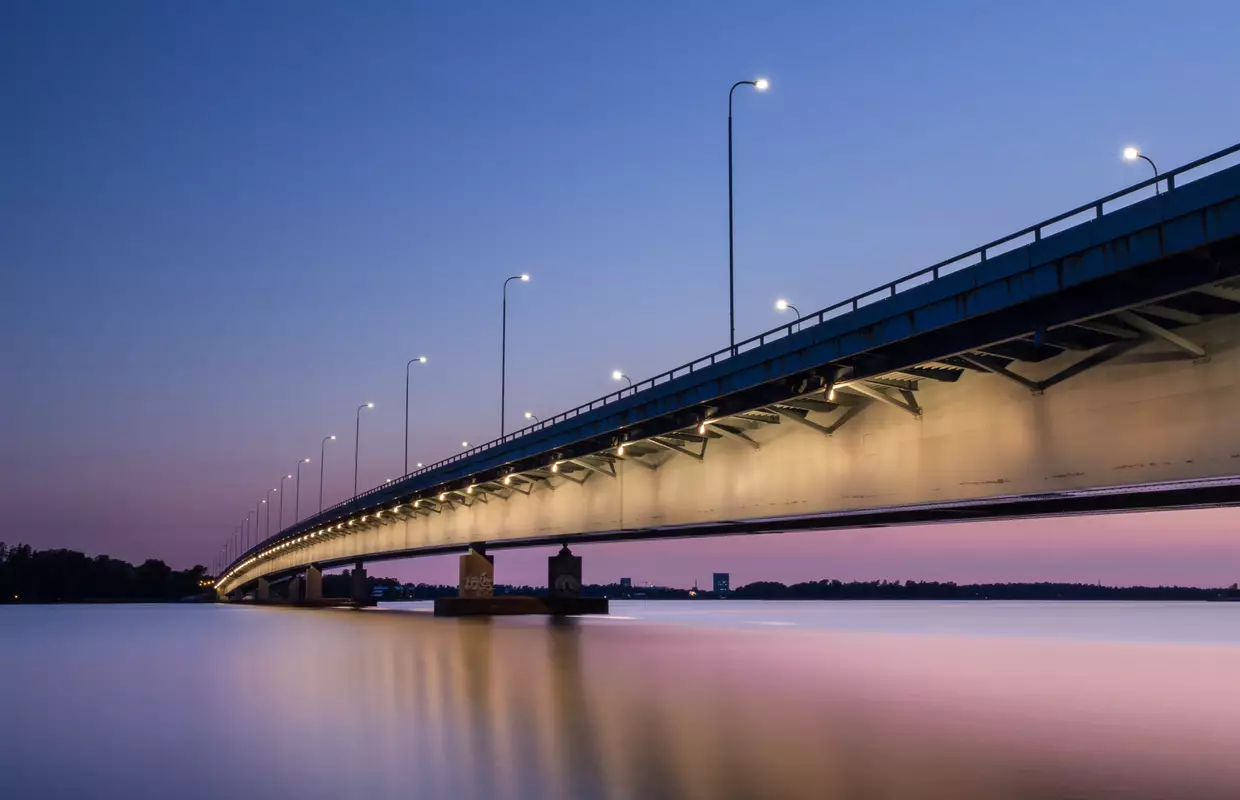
{"x": 1085, "y": 369}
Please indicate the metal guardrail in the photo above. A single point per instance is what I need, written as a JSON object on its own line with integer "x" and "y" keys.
{"x": 891, "y": 289}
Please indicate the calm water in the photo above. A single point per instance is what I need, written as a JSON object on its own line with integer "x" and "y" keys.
{"x": 662, "y": 700}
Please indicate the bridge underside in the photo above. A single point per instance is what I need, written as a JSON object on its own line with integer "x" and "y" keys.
{"x": 1134, "y": 408}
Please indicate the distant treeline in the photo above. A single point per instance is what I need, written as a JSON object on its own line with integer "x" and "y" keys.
{"x": 935, "y": 590}
{"x": 67, "y": 576}
{"x": 855, "y": 590}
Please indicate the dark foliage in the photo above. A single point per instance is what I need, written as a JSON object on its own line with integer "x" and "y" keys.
{"x": 67, "y": 576}
{"x": 934, "y": 590}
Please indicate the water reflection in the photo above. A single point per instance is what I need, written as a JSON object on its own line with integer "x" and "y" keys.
{"x": 197, "y": 702}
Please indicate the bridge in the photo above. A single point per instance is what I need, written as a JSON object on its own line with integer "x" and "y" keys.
{"x": 1088, "y": 363}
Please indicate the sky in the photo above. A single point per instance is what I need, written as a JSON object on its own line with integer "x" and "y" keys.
{"x": 225, "y": 225}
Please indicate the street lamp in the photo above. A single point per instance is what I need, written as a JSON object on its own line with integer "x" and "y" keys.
{"x": 503, "y": 359}
{"x": 412, "y": 361}
{"x": 761, "y": 85}
{"x": 357, "y": 442}
{"x": 257, "y": 514}
{"x": 464, "y": 445}
{"x": 1132, "y": 154}
{"x": 617, "y": 375}
{"x": 267, "y": 535}
{"x": 245, "y": 532}
{"x": 280, "y": 525}
{"x": 532, "y": 415}
{"x": 297, "y": 492}
{"x": 323, "y": 466}
{"x": 784, "y": 305}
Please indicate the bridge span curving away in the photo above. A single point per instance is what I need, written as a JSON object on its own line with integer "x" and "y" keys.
{"x": 1088, "y": 363}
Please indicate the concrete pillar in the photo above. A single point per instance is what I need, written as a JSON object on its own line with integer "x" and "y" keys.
{"x": 359, "y": 592}
{"x": 477, "y": 573}
{"x": 294, "y": 590}
{"x": 314, "y": 583}
{"x": 564, "y": 574}
{"x": 262, "y": 591}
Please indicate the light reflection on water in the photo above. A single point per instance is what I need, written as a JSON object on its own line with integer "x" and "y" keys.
{"x": 686, "y": 700}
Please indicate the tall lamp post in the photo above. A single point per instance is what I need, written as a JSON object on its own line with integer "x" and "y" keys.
{"x": 761, "y": 85}
{"x": 357, "y": 442}
{"x": 412, "y": 361}
{"x": 246, "y": 531}
{"x": 297, "y": 492}
{"x": 280, "y": 524}
{"x": 258, "y": 513}
{"x": 267, "y": 534}
{"x": 323, "y": 466}
{"x": 503, "y": 359}
{"x": 1132, "y": 154}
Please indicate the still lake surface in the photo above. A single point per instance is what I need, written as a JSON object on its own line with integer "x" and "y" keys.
{"x": 674, "y": 699}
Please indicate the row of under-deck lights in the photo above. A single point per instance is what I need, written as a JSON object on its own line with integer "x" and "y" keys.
{"x": 442, "y": 497}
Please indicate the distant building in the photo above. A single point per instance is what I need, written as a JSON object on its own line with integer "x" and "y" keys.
{"x": 722, "y": 581}
{"x": 627, "y": 583}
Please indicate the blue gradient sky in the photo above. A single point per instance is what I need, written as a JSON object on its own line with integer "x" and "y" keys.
{"x": 224, "y": 225}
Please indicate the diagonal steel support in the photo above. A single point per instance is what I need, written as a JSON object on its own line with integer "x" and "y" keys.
{"x": 1222, "y": 292}
{"x": 908, "y": 404}
{"x": 1090, "y": 361}
{"x": 636, "y": 458}
{"x": 611, "y": 472}
{"x": 1142, "y": 324}
{"x": 1100, "y": 326}
{"x": 682, "y": 450}
{"x": 996, "y": 369}
{"x": 1173, "y": 314}
{"x": 740, "y": 436}
{"x": 826, "y": 430}
{"x": 568, "y": 477}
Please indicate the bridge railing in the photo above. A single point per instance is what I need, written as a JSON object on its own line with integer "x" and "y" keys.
{"x": 891, "y": 289}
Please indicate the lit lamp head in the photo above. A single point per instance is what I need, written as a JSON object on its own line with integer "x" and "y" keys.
{"x": 529, "y": 415}
{"x": 617, "y": 375}
{"x": 421, "y": 359}
{"x": 465, "y": 444}
{"x": 370, "y": 405}
{"x": 1131, "y": 154}
{"x": 781, "y": 305}
{"x": 525, "y": 277}
{"x": 761, "y": 84}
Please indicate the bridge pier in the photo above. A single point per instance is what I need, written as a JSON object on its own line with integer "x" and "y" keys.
{"x": 294, "y": 590}
{"x": 314, "y": 584}
{"x": 564, "y": 574}
{"x": 476, "y": 592}
{"x": 358, "y": 591}
{"x": 262, "y": 591}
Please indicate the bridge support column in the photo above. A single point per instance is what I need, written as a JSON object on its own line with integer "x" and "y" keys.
{"x": 477, "y": 573}
{"x": 294, "y": 590}
{"x": 359, "y": 593}
{"x": 564, "y": 574}
{"x": 262, "y": 590}
{"x": 314, "y": 584}
{"x": 477, "y": 590}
